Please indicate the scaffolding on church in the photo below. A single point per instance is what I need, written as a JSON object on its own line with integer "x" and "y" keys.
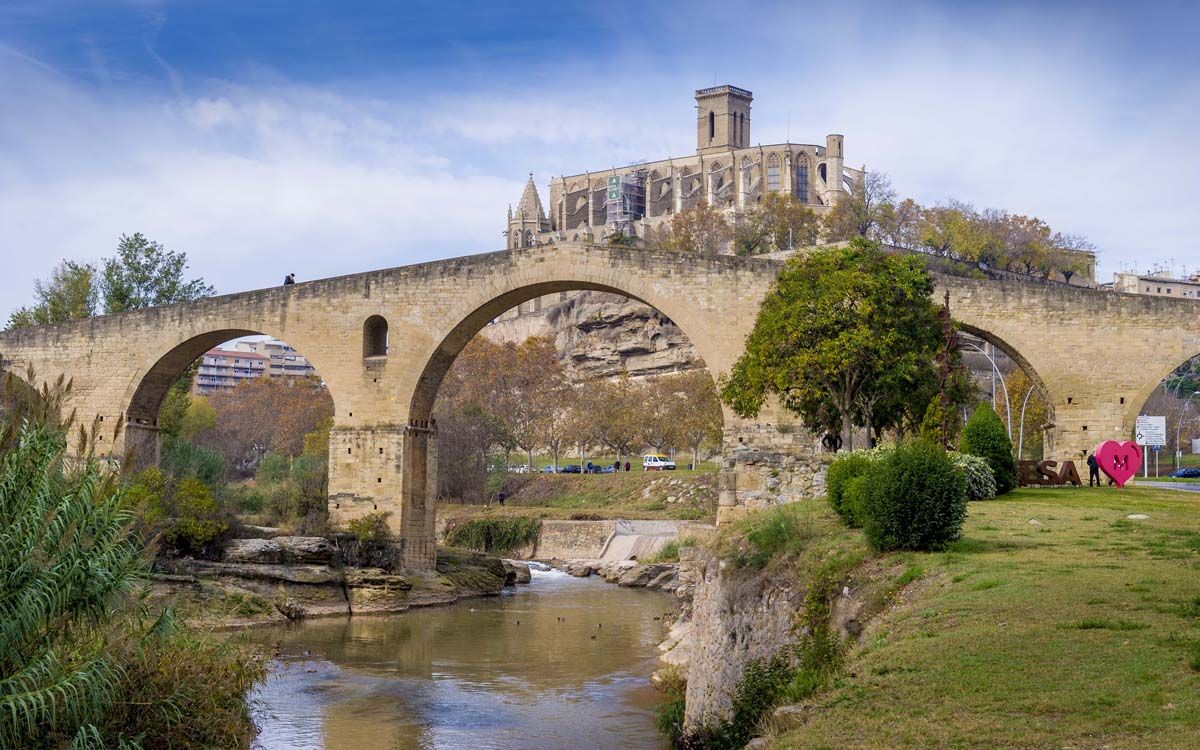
{"x": 626, "y": 200}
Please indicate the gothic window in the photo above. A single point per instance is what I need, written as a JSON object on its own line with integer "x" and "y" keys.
{"x": 528, "y": 238}
{"x": 802, "y": 179}
{"x": 773, "y": 173}
{"x": 821, "y": 173}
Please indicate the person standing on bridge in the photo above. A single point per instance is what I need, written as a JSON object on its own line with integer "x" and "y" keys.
{"x": 1093, "y": 470}
{"x": 289, "y": 279}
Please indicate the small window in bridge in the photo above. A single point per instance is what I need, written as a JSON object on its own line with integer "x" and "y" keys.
{"x": 375, "y": 337}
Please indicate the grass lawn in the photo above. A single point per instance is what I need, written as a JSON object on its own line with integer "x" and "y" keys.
{"x": 676, "y": 495}
{"x": 1080, "y": 631}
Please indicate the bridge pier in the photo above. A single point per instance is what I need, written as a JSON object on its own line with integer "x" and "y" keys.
{"x": 1080, "y": 427}
{"x": 387, "y": 469}
{"x": 768, "y": 463}
{"x": 143, "y": 445}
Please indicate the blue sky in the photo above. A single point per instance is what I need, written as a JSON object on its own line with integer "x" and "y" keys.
{"x": 328, "y": 138}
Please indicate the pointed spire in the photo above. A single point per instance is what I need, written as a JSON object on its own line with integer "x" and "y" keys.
{"x": 531, "y": 205}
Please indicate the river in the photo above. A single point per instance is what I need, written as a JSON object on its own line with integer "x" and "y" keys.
{"x": 561, "y": 663}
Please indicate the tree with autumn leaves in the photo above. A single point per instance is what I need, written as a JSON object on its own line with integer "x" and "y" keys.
{"x": 499, "y": 397}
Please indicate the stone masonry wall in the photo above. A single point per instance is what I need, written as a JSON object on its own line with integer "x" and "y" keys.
{"x": 1096, "y": 355}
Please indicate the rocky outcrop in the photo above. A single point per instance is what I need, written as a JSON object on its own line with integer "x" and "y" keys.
{"x": 516, "y": 572}
{"x": 627, "y": 573}
{"x": 305, "y": 550}
{"x": 263, "y": 580}
{"x": 600, "y": 335}
{"x": 737, "y": 617}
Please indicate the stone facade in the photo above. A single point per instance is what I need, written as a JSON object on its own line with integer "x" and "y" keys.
{"x": 1096, "y": 356}
{"x": 726, "y": 172}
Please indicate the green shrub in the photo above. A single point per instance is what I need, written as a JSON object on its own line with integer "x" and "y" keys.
{"x": 497, "y": 535}
{"x": 777, "y": 533}
{"x": 184, "y": 460}
{"x": 274, "y": 467}
{"x": 185, "y": 513}
{"x": 853, "y": 497}
{"x": 985, "y": 436}
{"x": 288, "y": 505}
{"x": 915, "y": 499}
{"x": 179, "y": 690}
{"x": 198, "y": 523}
{"x": 841, "y": 471}
{"x": 981, "y": 481}
{"x": 295, "y": 492}
{"x": 240, "y": 498}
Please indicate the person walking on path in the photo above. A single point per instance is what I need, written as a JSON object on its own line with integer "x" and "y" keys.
{"x": 1093, "y": 471}
{"x": 500, "y": 498}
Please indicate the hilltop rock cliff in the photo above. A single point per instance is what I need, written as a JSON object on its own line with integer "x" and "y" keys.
{"x": 601, "y": 335}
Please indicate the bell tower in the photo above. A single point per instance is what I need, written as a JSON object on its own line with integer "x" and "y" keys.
{"x": 722, "y": 118}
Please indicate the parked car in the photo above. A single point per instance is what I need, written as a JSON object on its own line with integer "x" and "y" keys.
{"x": 605, "y": 470}
{"x": 657, "y": 463}
{"x": 548, "y": 469}
{"x": 571, "y": 469}
{"x": 1188, "y": 472}
{"x": 519, "y": 469}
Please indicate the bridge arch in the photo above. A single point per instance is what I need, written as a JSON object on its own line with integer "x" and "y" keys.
{"x": 462, "y": 324}
{"x": 148, "y": 387}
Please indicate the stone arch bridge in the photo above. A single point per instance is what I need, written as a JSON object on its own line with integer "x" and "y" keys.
{"x": 383, "y": 340}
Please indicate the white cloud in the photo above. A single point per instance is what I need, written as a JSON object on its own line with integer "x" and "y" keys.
{"x": 256, "y": 180}
{"x": 252, "y": 184}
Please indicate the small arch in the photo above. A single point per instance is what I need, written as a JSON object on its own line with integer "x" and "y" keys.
{"x": 375, "y": 337}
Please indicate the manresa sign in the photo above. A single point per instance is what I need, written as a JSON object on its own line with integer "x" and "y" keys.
{"x": 1151, "y": 430}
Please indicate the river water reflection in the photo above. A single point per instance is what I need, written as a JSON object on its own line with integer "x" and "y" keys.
{"x": 561, "y": 663}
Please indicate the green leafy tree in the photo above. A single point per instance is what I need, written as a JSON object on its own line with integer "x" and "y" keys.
{"x": 839, "y": 323}
{"x": 143, "y": 274}
{"x": 985, "y": 436}
{"x": 70, "y": 294}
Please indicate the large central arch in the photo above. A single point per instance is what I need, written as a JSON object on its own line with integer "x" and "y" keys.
{"x": 458, "y": 327}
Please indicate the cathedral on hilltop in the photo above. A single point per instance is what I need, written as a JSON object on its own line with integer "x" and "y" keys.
{"x": 602, "y": 335}
{"x": 726, "y": 172}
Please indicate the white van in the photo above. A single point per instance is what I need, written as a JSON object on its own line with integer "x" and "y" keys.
{"x": 657, "y": 463}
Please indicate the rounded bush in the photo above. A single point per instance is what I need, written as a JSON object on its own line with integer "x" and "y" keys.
{"x": 985, "y": 436}
{"x": 915, "y": 499}
{"x": 841, "y": 471}
{"x": 853, "y": 497}
{"x": 981, "y": 482}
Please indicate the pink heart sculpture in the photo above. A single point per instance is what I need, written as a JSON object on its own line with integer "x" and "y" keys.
{"x": 1120, "y": 461}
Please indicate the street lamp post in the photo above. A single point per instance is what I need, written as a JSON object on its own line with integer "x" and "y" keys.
{"x": 995, "y": 373}
{"x": 1179, "y": 428}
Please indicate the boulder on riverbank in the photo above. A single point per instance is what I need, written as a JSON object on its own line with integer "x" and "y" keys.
{"x": 516, "y": 572}
{"x": 626, "y": 573}
{"x": 306, "y": 550}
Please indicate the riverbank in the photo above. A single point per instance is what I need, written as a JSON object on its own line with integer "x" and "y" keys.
{"x": 1064, "y": 617}
{"x": 247, "y": 590}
